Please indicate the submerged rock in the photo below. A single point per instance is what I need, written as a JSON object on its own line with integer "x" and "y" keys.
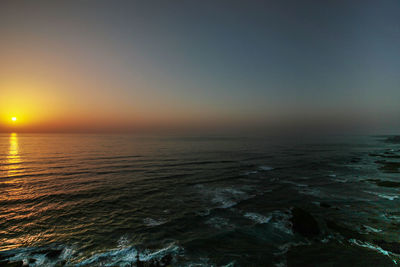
{"x": 325, "y": 205}
{"x": 304, "y": 223}
{"x": 53, "y": 253}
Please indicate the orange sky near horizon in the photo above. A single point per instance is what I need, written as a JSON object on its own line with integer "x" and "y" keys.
{"x": 151, "y": 66}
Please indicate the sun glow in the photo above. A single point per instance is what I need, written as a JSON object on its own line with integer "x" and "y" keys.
{"x": 14, "y": 118}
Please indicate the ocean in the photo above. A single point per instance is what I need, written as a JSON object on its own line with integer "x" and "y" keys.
{"x": 109, "y": 200}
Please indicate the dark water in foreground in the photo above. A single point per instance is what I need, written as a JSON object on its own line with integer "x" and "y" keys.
{"x": 88, "y": 200}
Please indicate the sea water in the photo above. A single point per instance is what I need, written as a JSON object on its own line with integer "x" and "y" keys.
{"x": 104, "y": 200}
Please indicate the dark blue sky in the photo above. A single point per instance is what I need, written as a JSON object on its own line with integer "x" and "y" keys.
{"x": 212, "y": 62}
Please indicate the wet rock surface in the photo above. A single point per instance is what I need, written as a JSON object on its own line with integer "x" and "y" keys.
{"x": 325, "y": 205}
{"x": 11, "y": 264}
{"x": 304, "y": 223}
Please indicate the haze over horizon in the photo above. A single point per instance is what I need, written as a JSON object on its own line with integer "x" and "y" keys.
{"x": 155, "y": 66}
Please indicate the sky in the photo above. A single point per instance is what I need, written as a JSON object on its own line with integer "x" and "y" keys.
{"x": 134, "y": 66}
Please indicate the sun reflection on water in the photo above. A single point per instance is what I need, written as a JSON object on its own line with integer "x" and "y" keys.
{"x": 13, "y": 157}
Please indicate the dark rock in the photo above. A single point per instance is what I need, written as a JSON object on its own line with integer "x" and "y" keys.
{"x": 325, "y": 205}
{"x": 166, "y": 260}
{"x": 11, "y": 264}
{"x": 304, "y": 223}
{"x": 153, "y": 263}
{"x": 61, "y": 263}
{"x": 54, "y": 253}
{"x": 345, "y": 232}
{"x": 32, "y": 260}
{"x": 390, "y": 246}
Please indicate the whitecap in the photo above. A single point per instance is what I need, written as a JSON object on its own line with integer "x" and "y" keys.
{"x": 372, "y": 229}
{"x": 250, "y": 172}
{"x": 228, "y": 197}
{"x": 265, "y": 168}
{"x": 285, "y": 247}
{"x": 310, "y": 191}
{"x": 385, "y": 196}
{"x": 219, "y": 223}
{"x": 373, "y": 247}
{"x": 225, "y": 203}
{"x": 127, "y": 256}
{"x": 204, "y": 212}
{"x": 39, "y": 256}
{"x": 153, "y": 222}
{"x": 294, "y": 183}
{"x": 340, "y": 180}
{"x": 281, "y": 221}
{"x": 123, "y": 242}
{"x": 258, "y": 218}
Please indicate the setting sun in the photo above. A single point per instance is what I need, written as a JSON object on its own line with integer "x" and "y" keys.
{"x": 14, "y": 118}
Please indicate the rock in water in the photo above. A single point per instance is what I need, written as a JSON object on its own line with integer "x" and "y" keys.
{"x": 325, "y": 205}
{"x": 12, "y": 264}
{"x": 304, "y": 223}
{"x": 54, "y": 253}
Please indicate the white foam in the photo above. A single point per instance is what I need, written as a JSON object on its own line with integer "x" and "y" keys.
{"x": 310, "y": 191}
{"x": 40, "y": 257}
{"x": 219, "y": 223}
{"x": 340, "y": 180}
{"x": 265, "y": 168}
{"x": 385, "y": 196}
{"x": 225, "y": 203}
{"x": 205, "y": 212}
{"x": 231, "y": 264}
{"x": 294, "y": 183}
{"x": 152, "y": 222}
{"x": 372, "y": 229}
{"x": 285, "y": 247}
{"x": 227, "y": 197}
{"x": 127, "y": 256}
{"x": 123, "y": 242}
{"x": 373, "y": 247}
{"x": 250, "y": 172}
{"x": 281, "y": 221}
{"x": 258, "y": 218}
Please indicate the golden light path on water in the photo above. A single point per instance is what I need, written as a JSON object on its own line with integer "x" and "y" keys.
{"x": 18, "y": 190}
{"x": 13, "y": 158}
